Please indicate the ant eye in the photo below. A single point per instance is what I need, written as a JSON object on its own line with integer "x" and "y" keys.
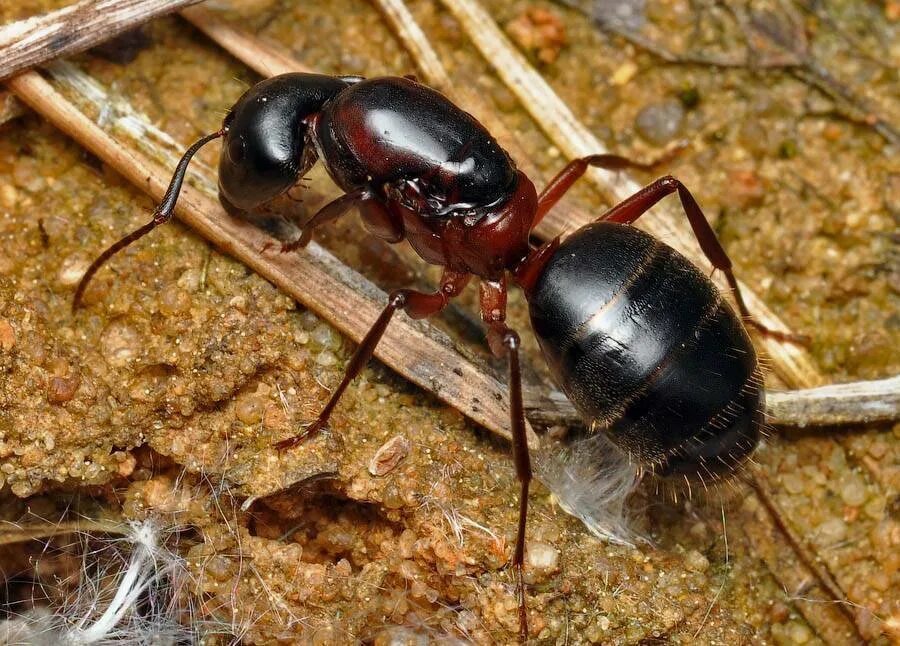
{"x": 236, "y": 150}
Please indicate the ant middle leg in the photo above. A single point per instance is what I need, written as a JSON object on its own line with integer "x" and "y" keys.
{"x": 504, "y": 341}
{"x": 417, "y": 305}
{"x": 630, "y": 209}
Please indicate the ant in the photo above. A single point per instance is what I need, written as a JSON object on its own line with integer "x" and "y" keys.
{"x": 637, "y": 337}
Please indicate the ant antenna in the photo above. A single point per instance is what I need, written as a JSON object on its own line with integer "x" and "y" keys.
{"x": 161, "y": 215}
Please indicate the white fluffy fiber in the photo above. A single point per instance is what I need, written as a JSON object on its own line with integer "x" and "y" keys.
{"x": 129, "y": 593}
{"x": 592, "y": 479}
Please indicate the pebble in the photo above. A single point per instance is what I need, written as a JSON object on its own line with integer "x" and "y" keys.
{"x": 250, "y": 408}
{"x": 696, "y": 562}
{"x": 798, "y": 633}
{"x": 832, "y": 531}
{"x": 7, "y": 335}
{"x": 792, "y": 483}
{"x": 624, "y": 73}
{"x": 8, "y": 196}
{"x": 119, "y": 343}
{"x": 389, "y": 455}
{"x": 853, "y": 492}
{"x": 190, "y": 280}
{"x": 62, "y": 389}
{"x": 72, "y": 269}
{"x": 326, "y": 358}
{"x": 325, "y": 336}
{"x": 660, "y": 122}
{"x": 541, "y": 558}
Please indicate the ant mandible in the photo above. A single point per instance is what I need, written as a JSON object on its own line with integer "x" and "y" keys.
{"x": 638, "y": 338}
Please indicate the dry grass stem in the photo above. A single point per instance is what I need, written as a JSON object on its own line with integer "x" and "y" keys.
{"x": 13, "y": 533}
{"x": 33, "y": 41}
{"x": 263, "y": 58}
{"x": 314, "y": 277}
{"x": 859, "y": 402}
{"x": 792, "y": 363}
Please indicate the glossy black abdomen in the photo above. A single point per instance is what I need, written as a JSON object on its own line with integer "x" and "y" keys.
{"x": 643, "y": 343}
{"x": 387, "y": 129}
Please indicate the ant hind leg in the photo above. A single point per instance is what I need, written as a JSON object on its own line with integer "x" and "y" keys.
{"x": 630, "y": 209}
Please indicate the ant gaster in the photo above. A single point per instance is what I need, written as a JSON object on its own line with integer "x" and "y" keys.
{"x": 638, "y": 338}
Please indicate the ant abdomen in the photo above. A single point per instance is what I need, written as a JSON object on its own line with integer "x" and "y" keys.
{"x": 645, "y": 346}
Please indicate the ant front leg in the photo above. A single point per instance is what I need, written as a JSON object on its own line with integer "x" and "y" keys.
{"x": 503, "y": 340}
{"x": 629, "y": 210}
{"x": 328, "y": 213}
{"x": 417, "y": 305}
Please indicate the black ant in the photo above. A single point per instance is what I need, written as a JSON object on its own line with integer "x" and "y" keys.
{"x": 638, "y": 338}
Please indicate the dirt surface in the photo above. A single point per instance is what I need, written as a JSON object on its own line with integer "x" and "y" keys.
{"x": 165, "y": 394}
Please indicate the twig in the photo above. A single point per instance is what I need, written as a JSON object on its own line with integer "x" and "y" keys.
{"x": 263, "y": 58}
{"x": 854, "y": 403}
{"x": 791, "y": 363}
{"x": 860, "y": 402}
{"x": 14, "y": 533}
{"x": 73, "y": 29}
{"x": 414, "y": 349}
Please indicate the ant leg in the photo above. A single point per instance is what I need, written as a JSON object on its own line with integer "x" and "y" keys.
{"x": 575, "y": 169}
{"x": 328, "y": 213}
{"x": 417, "y": 305}
{"x": 503, "y": 340}
{"x": 379, "y": 221}
{"x": 630, "y": 209}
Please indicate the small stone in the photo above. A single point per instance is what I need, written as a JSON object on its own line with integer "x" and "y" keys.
{"x": 326, "y": 358}
{"x": 173, "y": 301}
{"x": 190, "y": 280}
{"x": 62, "y": 389}
{"x": 120, "y": 343}
{"x": 539, "y": 32}
{"x": 325, "y": 336}
{"x": 746, "y": 187}
{"x": 799, "y": 633}
{"x": 250, "y": 408}
{"x": 127, "y": 465}
{"x": 71, "y": 270}
{"x": 389, "y": 456}
{"x": 541, "y": 559}
{"x": 7, "y": 335}
{"x": 832, "y": 531}
{"x": 660, "y": 122}
{"x": 792, "y": 483}
{"x": 696, "y": 562}
{"x": 624, "y": 73}
{"x": 8, "y": 196}
{"x": 392, "y": 498}
{"x": 779, "y": 613}
{"x": 853, "y": 493}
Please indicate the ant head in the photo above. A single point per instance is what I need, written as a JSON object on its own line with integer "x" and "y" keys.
{"x": 265, "y": 151}
{"x": 262, "y": 150}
